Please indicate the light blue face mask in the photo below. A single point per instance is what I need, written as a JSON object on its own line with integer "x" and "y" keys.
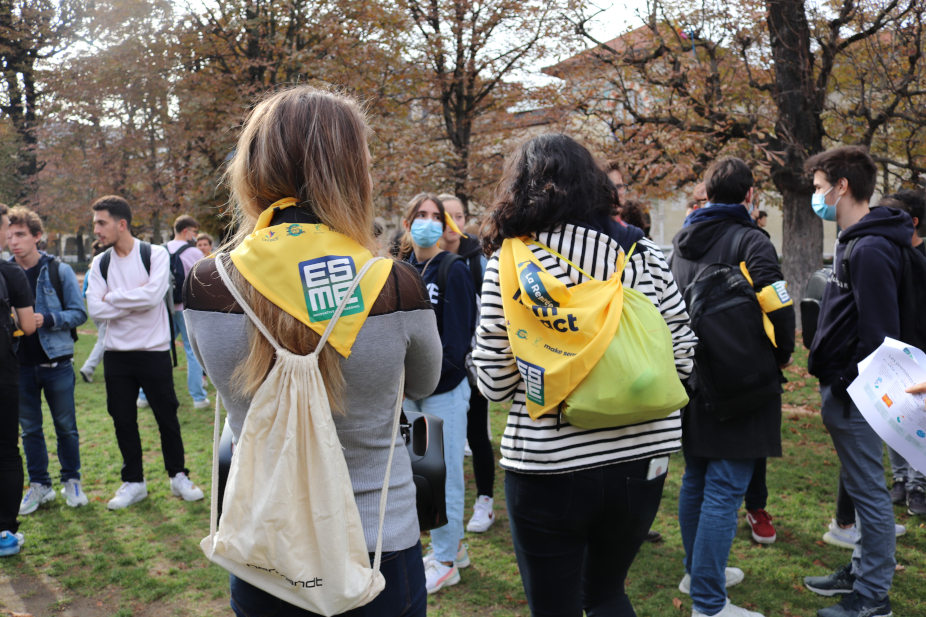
{"x": 426, "y": 233}
{"x": 820, "y": 207}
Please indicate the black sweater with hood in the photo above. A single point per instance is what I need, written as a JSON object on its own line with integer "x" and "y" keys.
{"x": 455, "y": 307}
{"x": 856, "y": 315}
{"x": 706, "y": 240}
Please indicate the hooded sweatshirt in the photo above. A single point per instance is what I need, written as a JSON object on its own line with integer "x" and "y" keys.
{"x": 856, "y": 316}
{"x": 455, "y": 309}
{"x": 706, "y": 240}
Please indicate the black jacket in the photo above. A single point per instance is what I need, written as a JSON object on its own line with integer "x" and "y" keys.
{"x": 854, "y": 319}
{"x": 757, "y": 433}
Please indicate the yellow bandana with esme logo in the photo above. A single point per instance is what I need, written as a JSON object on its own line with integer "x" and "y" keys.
{"x": 306, "y": 268}
{"x": 557, "y": 333}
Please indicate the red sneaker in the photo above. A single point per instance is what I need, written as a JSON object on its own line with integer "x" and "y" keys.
{"x": 761, "y": 524}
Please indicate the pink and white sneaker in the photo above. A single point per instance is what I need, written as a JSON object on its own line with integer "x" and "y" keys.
{"x": 437, "y": 576}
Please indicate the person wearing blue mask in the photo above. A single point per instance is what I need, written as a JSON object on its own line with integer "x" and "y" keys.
{"x": 859, "y": 308}
{"x": 452, "y": 294}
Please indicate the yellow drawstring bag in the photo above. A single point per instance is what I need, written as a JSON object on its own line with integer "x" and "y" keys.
{"x": 633, "y": 379}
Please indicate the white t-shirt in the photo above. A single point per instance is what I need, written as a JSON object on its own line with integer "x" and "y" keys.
{"x": 131, "y": 300}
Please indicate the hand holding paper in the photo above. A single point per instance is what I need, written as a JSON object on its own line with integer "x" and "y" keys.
{"x": 920, "y": 387}
{"x": 890, "y": 393}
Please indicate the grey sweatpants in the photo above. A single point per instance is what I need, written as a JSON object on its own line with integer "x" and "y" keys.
{"x": 861, "y": 454}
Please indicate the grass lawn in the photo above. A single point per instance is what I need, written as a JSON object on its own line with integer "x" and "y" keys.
{"x": 146, "y": 560}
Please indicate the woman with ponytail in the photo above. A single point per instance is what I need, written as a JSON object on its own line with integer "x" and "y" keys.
{"x": 302, "y": 198}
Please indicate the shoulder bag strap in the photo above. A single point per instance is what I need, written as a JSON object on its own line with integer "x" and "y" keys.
{"x": 223, "y": 273}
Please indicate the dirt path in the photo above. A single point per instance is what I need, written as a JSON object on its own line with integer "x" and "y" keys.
{"x": 42, "y": 596}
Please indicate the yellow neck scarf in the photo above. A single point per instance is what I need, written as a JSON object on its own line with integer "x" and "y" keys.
{"x": 557, "y": 333}
{"x": 306, "y": 268}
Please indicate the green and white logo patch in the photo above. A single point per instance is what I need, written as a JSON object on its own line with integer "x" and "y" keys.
{"x": 325, "y": 281}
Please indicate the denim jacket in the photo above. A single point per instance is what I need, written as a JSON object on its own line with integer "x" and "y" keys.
{"x": 56, "y": 337}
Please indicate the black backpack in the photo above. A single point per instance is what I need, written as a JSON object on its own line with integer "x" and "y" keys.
{"x": 144, "y": 251}
{"x": 810, "y": 305}
{"x": 735, "y": 370}
{"x": 177, "y": 272}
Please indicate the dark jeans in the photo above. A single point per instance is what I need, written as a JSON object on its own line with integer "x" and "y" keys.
{"x": 405, "y": 594}
{"x": 152, "y": 371}
{"x": 11, "y": 463}
{"x": 477, "y": 433}
{"x": 58, "y": 384}
{"x": 757, "y": 491}
{"x": 576, "y": 535}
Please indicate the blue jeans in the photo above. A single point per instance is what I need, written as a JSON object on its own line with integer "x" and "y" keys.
{"x": 451, "y": 407}
{"x": 861, "y": 455}
{"x": 404, "y": 596}
{"x": 712, "y": 491}
{"x": 58, "y": 384}
{"x": 194, "y": 372}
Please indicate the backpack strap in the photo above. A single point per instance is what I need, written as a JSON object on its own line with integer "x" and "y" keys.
{"x": 223, "y": 273}
{"x": 443, "y": 273}
{"x": 145, "y": 251}
{"x": 736, "y": 242}
{"x": 104, "y": 263}
{"x": 475, "y": 270}
{"x": 846, "y": 255}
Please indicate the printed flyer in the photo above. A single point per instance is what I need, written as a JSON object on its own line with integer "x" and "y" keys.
{"x": 878, "y": 391}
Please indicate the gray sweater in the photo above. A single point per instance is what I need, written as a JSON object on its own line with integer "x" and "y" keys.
{"x": 400, "y": 331}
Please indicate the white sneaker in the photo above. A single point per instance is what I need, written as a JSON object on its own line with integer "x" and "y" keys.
{"x": 462, "y": 559}
{"x": 182, "y": 486}
{"x": 128, "y": 493}
{"x": 848, "y": 537}
{"x": 141, "y": 402}
{"x": 35, "y": 496}
{"x": 437, "y": 576}
{"x": 74, "y": 495}
{"x": 734, "y": 576}
{"x": 466, "y": 449}
{"x": 730, "y": 610}
{"x": 201, "y": 404}
{"x": 483, "y": 516}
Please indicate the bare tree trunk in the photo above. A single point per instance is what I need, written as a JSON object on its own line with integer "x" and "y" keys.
{"x": 156, "y": 227}
{"x": 801, "y": 252}
{"x": 81, "y": 253}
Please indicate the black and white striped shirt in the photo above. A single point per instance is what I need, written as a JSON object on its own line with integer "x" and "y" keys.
{"x": 540, "y": 446}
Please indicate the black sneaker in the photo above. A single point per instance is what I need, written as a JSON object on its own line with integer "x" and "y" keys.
{"x": 916, "y": 502}
{"x": 899, "y": 492}
{"x": 840, "y": 581}
{"x": 652, "y": 536}
{"x": 857, "y": 605}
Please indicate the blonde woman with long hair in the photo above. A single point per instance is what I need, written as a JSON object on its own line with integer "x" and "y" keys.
{"x": 302, "y": 196}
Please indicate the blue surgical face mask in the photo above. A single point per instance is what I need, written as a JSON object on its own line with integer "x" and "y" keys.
{"x": 426, "y": 233}
{"x": 820, "y": 207}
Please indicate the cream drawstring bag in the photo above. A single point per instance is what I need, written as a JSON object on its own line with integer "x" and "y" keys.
{"x": 290, "y": 525}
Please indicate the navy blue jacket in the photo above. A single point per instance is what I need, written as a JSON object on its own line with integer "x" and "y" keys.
{"x": 855, "y": 319}
{"x": 455, "y": 309}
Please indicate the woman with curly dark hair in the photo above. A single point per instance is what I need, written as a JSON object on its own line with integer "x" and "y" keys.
{"x": 579, "y": 501}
